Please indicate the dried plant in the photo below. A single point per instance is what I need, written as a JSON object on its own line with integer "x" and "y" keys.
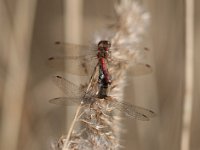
{"x": 96, "y": 125}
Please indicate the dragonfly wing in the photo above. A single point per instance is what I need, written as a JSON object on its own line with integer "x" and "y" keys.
{"x": 65, "y": 101}
{"x": 140, "y": 69}
{"x": 78, "y": 65}
{"x": 68, "y": 48}
{"x": 147, "y": 112}
{"x": 70, "y": 89}
{"x": 128, "y": 112}
{"x": 134, "y": 112}
{"x": 137, "y": 69}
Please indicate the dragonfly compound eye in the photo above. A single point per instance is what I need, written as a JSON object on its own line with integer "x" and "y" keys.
{"x": 104, "y": 43}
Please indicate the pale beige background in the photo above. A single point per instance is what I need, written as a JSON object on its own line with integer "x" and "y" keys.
{"x": 32, "y": 123}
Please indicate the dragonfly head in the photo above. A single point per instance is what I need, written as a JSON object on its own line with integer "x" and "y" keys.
{"x": 104, "y": 44}
{"x": 104, "y": 48}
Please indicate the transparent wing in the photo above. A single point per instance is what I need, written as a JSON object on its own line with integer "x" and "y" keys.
{"x": 140, "y": 69}
{"x": 74, "y": 94}
{"x": 65, "y": 101}
{"x": 78, "y": 65}
{"x": 70, "y": 89}
{"x": 137, "y": 69}
{"x": 76, "y": 48}
{"x": 75, "y": 59}
{"x": 134, "y": 112}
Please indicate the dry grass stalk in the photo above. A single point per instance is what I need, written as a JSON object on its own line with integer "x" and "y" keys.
{"x": 189, "y": 75}
{"x": 98, "y": 128}
{"x": 18, "y": 33}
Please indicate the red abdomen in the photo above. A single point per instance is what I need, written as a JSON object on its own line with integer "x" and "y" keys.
{"x": 102, "y": 62}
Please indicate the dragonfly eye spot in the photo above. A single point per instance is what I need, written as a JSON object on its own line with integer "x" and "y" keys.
{"x": 59, "y": 77}
{"x": 57, "y": 42}
{"x": 144, "y": 115}
{"x": 51, "y": 58}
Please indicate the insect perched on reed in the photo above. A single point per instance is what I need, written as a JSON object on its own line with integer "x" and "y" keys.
{"x": 100, "y": 101}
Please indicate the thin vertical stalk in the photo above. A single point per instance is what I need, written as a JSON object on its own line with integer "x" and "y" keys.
{"x": 189, "y": 75}
{"x": 71, "y": 127}
{"x": 78, "y": 111}
{"x": 72, "y": 21}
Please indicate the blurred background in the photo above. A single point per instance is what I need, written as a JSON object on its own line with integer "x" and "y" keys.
{"x": 28, "y": 32}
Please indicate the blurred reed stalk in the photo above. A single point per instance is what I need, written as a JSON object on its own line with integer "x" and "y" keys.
{"x": 73, "y": 33}
{"x": 189, "y": 75}
{"x": 73, "y": 20}
{"x": 19, "y": 32}
{"x": 98, "y": 129}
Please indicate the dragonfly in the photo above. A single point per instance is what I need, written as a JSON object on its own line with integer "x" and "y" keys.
{"x": 77, "y": 95}
{"x": 81, "y": 59}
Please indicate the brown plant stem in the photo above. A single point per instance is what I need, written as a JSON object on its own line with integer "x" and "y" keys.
{"x": 78, "y": 110}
